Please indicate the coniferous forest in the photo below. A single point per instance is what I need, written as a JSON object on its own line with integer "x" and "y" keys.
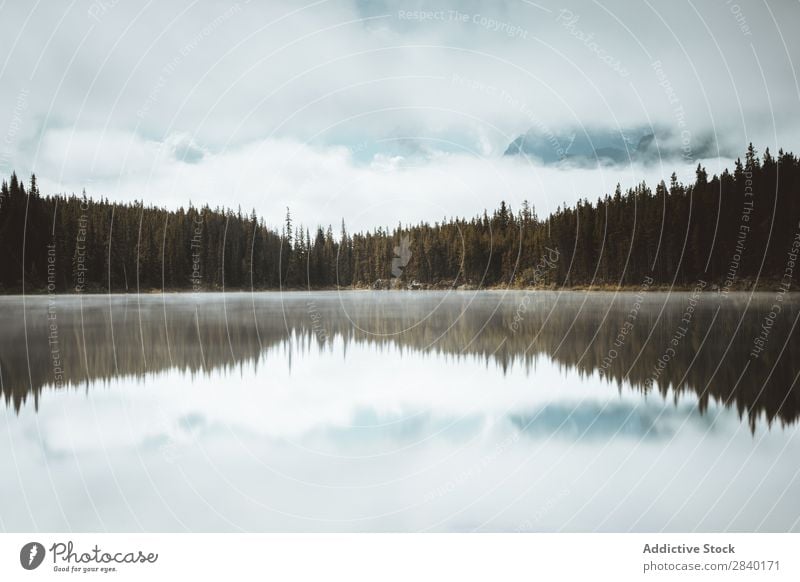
{"x": 731, "y": 230}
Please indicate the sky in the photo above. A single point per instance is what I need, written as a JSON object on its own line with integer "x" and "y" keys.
{"x": 382, "y": 112}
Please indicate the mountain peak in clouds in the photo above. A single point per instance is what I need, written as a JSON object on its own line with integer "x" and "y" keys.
{"x": 612, "y": 147}
{"x": 185, "y": 149}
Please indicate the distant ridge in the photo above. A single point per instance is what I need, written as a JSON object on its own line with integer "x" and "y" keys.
{"x": 613, "y": 147}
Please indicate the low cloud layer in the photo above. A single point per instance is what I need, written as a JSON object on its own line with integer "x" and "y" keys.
{"x": 323, "y": 185}
{"x": 336, "y": 106}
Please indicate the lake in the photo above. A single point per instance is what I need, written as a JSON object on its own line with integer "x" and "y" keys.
{"x": 400, "y": 411}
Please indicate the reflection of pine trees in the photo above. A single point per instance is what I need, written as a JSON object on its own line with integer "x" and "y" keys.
{"x": 152, "y": 334}
{"x": 676, "y": 234}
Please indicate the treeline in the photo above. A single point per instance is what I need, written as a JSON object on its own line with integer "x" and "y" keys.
{"x": 726, "y": 230}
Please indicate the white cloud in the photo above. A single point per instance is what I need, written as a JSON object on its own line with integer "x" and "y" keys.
{"x": 110, "y": 95}
{"x": 322, "y": 185}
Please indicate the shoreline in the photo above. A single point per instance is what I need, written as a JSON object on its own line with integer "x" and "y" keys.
{"x": 764, "y": 287}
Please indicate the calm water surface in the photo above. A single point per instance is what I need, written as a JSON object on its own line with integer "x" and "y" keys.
{"x": 400, "y": 411}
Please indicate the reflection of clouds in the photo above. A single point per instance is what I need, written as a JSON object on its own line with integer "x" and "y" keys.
{"x": 394, "y": 431}
{"x": 272, "y": 448}
{"x": 256, "y": 482}
{"x": 593, "y": 420}
{"x": 274, "y": 400}
{"x": 461, "y": 399}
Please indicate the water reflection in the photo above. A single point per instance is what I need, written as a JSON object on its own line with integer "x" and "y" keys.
{"x": 389, "y": 411}
{"x": 644, "y": 342}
